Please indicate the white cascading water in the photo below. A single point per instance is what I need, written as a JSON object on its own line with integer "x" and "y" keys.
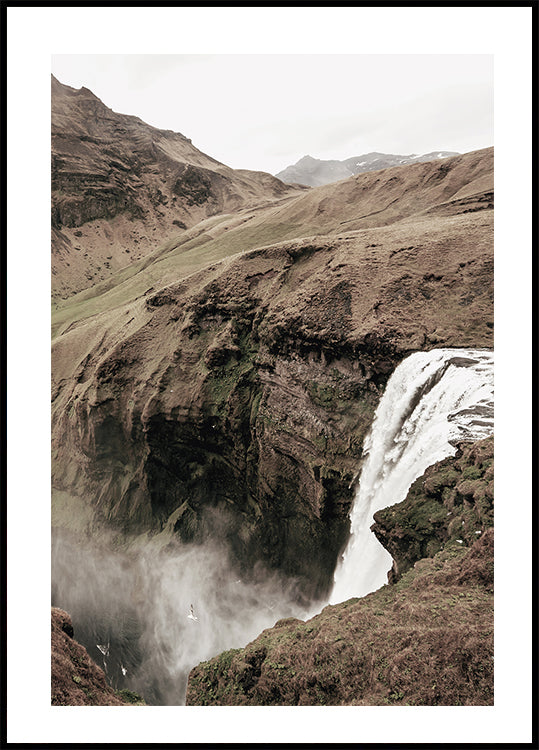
{"x": 432, "y": 401}
{"x": 149, "y": 615}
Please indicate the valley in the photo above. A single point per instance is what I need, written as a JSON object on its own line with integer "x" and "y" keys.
{"x": 220, "y": 343}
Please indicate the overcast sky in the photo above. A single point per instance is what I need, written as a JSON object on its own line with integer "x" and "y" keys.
{"x": 267, "y": 111}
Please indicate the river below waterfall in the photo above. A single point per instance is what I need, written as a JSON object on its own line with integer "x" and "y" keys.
{"x": 149, "y": 614}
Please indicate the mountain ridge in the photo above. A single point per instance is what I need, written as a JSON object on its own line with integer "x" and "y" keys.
{"x": 120, "y": 186}
{"x": 414, "y": 193}
{"x": 315, "y": 172}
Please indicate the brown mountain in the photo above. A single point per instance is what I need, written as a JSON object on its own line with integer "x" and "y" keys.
{"x": 224, "y": 375}
{"x": 120, "y": 186}
{"x": 216, "y": 381}
{"x": 314, "y": 172}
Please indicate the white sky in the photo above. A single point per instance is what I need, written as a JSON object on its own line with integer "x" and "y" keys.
{"x": 33, "y": 35}
{"x": 267, "y": 111}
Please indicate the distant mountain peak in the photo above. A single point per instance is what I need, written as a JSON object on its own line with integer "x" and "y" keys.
{"x": 316, "y": 172}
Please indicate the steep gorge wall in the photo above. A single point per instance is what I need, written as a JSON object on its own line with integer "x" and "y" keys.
{"x": 76, "y": 680}
{"x": 236, "y": 403}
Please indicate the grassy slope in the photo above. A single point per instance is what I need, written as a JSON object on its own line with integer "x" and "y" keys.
{"x": 120, "y": 186}
{"x": 353, "y": 204}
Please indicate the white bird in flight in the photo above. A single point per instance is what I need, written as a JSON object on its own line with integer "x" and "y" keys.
{"x": 191, "y": 614}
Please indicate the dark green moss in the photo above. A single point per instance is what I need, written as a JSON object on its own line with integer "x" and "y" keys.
{"x": 451, "y": 501}
{"x": 472, "y": 472}
{"x": 130, "y": 697}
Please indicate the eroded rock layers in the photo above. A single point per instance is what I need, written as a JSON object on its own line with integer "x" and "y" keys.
{"x": 236, "y": 402}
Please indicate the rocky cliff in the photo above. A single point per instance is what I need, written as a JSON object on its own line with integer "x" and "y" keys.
{"x": 76, "y": 680}
{"x": 424, "y": 639}
{"x": 222, "y": 385}
{"x": 453, "y": 500}
{"x": 220, "y": 382}
{"x": 120, "y": 186}
{"x": 235, "y": 402}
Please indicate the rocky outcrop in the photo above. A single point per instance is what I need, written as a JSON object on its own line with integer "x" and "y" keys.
{"x": 235, "y": 403}
{"x": 121, "y": 187}
{"x": 76, "y": 680}
{"x": 425, "y": 639}
{"x": 453, "y": 500}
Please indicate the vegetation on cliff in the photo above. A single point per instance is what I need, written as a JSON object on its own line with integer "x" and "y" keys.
{"x": 249, "y": 388}
{"x": 222, "y": 378}
{"x": 217, "y": 372}
{"x": 76, "y": 680}
{"x": 426, "y": 639}
{"x": 452, "y": 501}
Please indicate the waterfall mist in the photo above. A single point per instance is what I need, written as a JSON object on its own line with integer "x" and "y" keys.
{"x": 432, "y": 401}
{"x": 130, "y": 609}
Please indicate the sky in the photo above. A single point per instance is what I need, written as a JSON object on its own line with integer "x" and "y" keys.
{"x": 266, "y": 111}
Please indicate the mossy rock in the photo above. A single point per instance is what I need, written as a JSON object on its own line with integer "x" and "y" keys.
{"x": 472, "y": 472}
{"x": 452, "y": 501}
{"x": 436, "y": 483}
{"x": 130, "y": 697}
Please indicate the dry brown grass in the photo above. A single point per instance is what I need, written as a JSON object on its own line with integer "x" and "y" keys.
{"x": 427, "y": 640}
{"x": 76, "y": 680}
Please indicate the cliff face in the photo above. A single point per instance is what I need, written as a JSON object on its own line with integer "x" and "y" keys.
{"x": 223, "y": 384}
{"x": 235, "y": 402}
{"x": 216, "y": 373}
{"x": 76, "y": 680}
{"x": 453, "y": 500}
{"x": 425, "y": 639}
{"x": 120, "y": 186}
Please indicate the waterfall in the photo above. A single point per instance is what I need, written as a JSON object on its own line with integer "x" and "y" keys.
{"x": 432, "y": 401}
{"x": 147, "y": 615}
